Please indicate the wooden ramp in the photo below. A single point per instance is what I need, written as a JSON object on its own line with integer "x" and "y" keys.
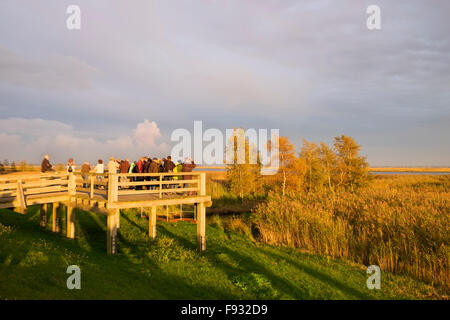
{"x": 107, "y": 194}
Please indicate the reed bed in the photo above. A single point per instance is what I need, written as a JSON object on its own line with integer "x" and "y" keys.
{"x": 401, "y": 223}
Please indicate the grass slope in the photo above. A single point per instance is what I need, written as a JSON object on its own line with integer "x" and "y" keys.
{"x": 33, "y": 265}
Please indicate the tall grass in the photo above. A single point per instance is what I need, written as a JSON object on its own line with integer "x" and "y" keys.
{"x": 400, "y": 223}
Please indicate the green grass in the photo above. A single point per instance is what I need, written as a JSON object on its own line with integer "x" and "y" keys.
{"x": 33, "y": 264}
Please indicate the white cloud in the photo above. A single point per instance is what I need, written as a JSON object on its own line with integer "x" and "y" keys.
{"x": 146, "y": 133}
{"x": 30, "y": 139}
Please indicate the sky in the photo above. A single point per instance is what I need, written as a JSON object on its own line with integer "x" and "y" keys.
{"x": 138, "y": 70}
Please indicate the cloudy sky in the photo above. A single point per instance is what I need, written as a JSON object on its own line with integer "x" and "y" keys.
{"x": 137, "y": 70}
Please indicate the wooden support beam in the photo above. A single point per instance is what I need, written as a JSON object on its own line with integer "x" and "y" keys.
{"x": 91, "y": 178}
{"x": 20, "y": 198}
{"x": 203, "y": 183}
{"x": 152, "y": 223}
{"x": 56, "y": 209}
{"x": 111, "y": 232}
{"x": 201, "y": 226}
{"x": 70, "y": 222}
{"x": 113, "y": 188}
{"x": 118, "y": 218}
{"x": 43, "y": 213}
{"x": 72, "y": 184}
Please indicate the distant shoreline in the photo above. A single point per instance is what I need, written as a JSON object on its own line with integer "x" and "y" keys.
{"x": 371, "y": 169}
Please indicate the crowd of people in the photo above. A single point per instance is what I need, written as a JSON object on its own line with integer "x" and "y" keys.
{"x": 143, "y": 165}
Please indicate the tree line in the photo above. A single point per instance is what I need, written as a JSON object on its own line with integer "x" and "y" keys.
{"x": 315, "y": 167}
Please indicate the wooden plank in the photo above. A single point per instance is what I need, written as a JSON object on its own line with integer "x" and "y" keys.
{"x": 72, "y": 184}
{"x": 21, "y": 197}
{"x": 45, "y": 190}
{"x": 152, "y": 223}
{"x": 9, "y": 194}
{"x": 156, "y": 182}
{"x": 35, "y": 176}
{"x": 8, "y": 186}
{"x": 56, "y": 227}
{"x": 113, "y": 188}
{"x": 7, "y": 205}
{"x": 203, "y": 184}
{"x": 70, "y": 222}
{"x": 157, "y": 202}
{"x": 201, "y": 226}
{"x": 47, "y": 199}
{"x": 43, "y": 183}
{"x": 111, "y": 233}
{"x": 170, "y": 190}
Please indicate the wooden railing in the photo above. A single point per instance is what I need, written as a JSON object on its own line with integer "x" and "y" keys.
{"x": 128, "y": 184}
{"x": 14, "y": 190}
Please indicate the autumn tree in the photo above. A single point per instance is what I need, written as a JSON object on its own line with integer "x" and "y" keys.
{"x": 352, "y": 169}
{"x": 328, "y": 161}
{"x": 244, "y": 171}
{"x": 291, "y": 169}
{"x": 310, "y": 153}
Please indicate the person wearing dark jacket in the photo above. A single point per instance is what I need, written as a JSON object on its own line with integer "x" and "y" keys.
{"x": 147, "y": 164}
{"x": 45, "y": 165}
{"x": 124, "y": 166}
{"x": 154, "y": 167}
{"x": 188, "y": 166}
{"x": 168, "y": 164}
{"x": 168, "y": 167}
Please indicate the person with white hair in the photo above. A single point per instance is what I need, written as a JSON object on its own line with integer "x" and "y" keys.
{"x": 46, "y": 165}
{"x": 113, "y": 166}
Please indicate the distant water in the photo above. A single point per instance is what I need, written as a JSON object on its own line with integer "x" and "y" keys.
{"x": 418, "y": 172}
{"x": 373, "y": 172}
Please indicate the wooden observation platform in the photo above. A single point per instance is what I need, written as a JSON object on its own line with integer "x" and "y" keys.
{"x": 106, "y": 194}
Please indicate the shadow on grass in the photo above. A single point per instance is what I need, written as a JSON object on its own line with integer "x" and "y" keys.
{"x": 322, "y": 277}
{"x": 247, "y": 265}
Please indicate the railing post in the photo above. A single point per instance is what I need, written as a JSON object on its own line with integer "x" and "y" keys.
{"x": 111, "y": 236}
{"x": 92, "y": 186}
{"x": 113, "y": 188}
{"x": 21, "y": 197}
{"x": 201, "y": 226}
{"x": 72, "y": 184}
{"x": 203, "y": 184}
{"x": 160, "y": 185}
{"x": 56, "y": 217}
{"x": 70, "y": 222}
{"x": 152, "y": 223}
